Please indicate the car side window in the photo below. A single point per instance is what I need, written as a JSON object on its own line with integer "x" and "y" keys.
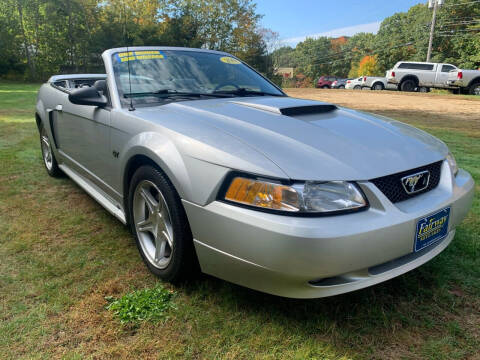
{"x": 447, "y": 68}
{"x": 415, "y": 66}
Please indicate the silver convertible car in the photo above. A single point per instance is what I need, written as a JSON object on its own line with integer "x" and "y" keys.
{"x": 213, "y": 166}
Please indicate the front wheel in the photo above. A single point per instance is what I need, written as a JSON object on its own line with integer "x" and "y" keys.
{"x": 377, "y": 86}
{"x": 48, "y": 156}
{"x": 160, "y": 225}
{"x": 357, "y": 87}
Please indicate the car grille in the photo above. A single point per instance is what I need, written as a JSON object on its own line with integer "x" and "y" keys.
{"x": 391, "y": 185}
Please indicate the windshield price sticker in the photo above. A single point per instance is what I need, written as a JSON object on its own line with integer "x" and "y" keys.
{"x": 140, "y": 55}
{"x": 229, "y": 60}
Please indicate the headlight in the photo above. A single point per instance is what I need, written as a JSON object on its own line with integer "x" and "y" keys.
{"x": 452, "y": 163}
{"x": 304, "y": 198}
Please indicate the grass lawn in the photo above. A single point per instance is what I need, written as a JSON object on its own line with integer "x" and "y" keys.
{"x": 62, "y": 257}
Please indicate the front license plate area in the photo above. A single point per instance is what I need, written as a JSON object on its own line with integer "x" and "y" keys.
{"x": 431, "y": 228}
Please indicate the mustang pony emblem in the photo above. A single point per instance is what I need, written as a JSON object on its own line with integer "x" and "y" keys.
{"x": 416, "y": 182}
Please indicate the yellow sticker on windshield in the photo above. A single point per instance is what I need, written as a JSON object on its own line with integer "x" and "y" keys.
{"x": 140, "y": 55}
{"x": 229, "y": 60}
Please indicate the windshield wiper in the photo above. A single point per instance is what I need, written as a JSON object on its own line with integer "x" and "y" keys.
{"x": 245, "y": 92}
{"x": 166, "y": 93}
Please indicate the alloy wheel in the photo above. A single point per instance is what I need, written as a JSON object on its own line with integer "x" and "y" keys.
{"x": 153, "y": 224}
{"x": 46, "y": 150}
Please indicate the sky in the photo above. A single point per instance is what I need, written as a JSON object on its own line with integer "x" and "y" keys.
{"x": 296, "y": 20}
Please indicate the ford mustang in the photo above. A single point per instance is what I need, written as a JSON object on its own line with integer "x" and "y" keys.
{"x": 213, "y": 167}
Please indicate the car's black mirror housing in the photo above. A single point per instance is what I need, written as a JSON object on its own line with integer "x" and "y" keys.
{"x": 87, "y": 96}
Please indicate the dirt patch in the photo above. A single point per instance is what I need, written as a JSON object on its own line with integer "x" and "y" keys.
{"x": 427, "y": 108}
{"x": 89, "y": 328}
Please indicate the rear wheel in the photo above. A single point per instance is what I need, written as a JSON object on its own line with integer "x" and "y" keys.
{"x": 408, "y": 85}
{"x": 48, "y": 156}
{"x": 160, "y": 225}
{"x": 474, "y": 89}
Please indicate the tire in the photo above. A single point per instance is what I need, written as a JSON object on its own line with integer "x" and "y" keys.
{"x": 408, "y": 85}
{"x": 357, "y": 87}
{"x": 325, "y": 87}
{"x": 423, "y": 89}
{"x": 474, "y": 89}
{"x": 48, "y": 157}
{"x": 155, "y": 208}
{"x": 378, "y": 86}
{"x": 341, "y": 87}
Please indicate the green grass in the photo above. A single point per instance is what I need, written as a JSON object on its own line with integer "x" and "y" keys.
{"x": 62, "y": 256}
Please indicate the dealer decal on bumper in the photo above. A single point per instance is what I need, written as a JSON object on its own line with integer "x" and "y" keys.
{"x": 431, "y": 229}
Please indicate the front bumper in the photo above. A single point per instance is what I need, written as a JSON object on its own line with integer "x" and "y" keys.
{"x": 315, "y": 257}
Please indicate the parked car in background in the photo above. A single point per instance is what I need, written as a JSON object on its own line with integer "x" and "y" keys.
{"x": 355, "y": 84}
{"x": 325, "y": 82}
{"x": 339, "y": 84}
{"x": 419, "y": 76}
{"x": 374, "y": 82}
{"x": 468, "y": 81}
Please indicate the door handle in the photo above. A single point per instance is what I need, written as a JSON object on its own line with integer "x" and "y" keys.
{"x": 59, "y": 108}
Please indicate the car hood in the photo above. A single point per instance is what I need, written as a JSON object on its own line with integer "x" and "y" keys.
{"x": 311, "y": 140}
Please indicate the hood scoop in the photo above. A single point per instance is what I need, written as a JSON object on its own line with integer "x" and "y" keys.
{"x": 308, "y": 109}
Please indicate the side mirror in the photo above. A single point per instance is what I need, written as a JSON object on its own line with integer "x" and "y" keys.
{"x": 87, "y": 96}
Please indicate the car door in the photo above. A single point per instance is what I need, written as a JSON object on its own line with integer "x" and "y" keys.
{"x": 442, "y": 75}
{"x": 83, "y": 138}
{"x": 427, "y": 74}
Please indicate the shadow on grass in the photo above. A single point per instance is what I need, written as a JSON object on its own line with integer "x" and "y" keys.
{"x": 351, "y": 320}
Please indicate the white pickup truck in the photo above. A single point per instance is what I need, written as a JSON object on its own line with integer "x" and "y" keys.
{"x": 467, "y": 80}
{"x": 412, "y": 76}
{"x": 374, "y": 82}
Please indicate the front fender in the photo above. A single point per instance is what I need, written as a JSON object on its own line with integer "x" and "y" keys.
{"x": 160, "y": 150}
{"x": 195, "y": 180}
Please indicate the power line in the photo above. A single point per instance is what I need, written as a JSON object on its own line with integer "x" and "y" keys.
{"x": 459, "y": 32}
{"x": 463, "y": 3}
{"x": 449, "y": 35}
{"x": 462, "y": 22}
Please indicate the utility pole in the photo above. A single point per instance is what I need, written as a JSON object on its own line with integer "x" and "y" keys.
{"x": 433, "y": 4}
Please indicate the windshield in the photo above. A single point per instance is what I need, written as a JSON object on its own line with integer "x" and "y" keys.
{"x": 175, "y": 75}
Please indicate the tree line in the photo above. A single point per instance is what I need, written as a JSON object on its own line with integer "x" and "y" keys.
{"x": 403, "y": 36}
{"x": 39, "y": 38}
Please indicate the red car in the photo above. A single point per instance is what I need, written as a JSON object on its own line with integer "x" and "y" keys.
{"x": 325, "y": 82}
